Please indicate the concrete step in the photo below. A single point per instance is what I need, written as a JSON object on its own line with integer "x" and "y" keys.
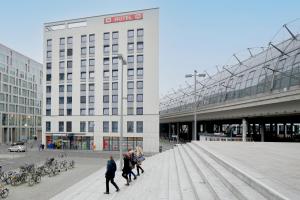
{"x": 257, "y": 185}
{"x": 215, "y": 185}
{"x": 238, "y": 187}
{"x": 164, "y": 181}
{"x": 184, "y": 181}
{"x": 200, "y": 187}
{"x": 174, "y": 188}
{"x": 140, "y": 186}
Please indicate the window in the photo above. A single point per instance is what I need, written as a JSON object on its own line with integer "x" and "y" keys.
{"x": 61, "y": 100}
{"x": 91, "y": 111}
{"x": 115, "y": 35}
{"x": 140, "y": 58}
{"x": 69, "y": 100}
{"x": 48, "y": 101}
{"x": 139, "y": 127}
{"x": 115, "y": 98}
{"x": 139, "y": 110}
{"x": 82, "y": 99}
{"x": 49, "y": 54}
{"x": 83, "y": 39}
{"x": 106, "y": 86}
{"x": 61, "y": 53}
{"x": 82, "y": 87}
{"x": 130, "y": 33}
{"x": 130, "y": 98}
{"x": 69, "y": 64}
{"x": 83, "y": 63}
{"x": 140, "y": 71}
{"x": 92, "y": 62}
{"x": 69, "y": 88}
{"x": 82, "y": 126}
{"x": 105, "y": 61}
{"x": 106, "y": 49}
{"x": 70, "y": 40}
{"x": 130, "y": 72}
{"x": 130, "y": 59}
{"x": 83, "y": 51}
{"x": 114, "y": 111}
{"x": 106, "y": 74}
{"x": 69, "y": 76}
{"x": 48, "y": 112}
{"x": 130, "y": 127}
{"x": 91, "y": 99}
{"x": 115, "y": 48}
{"x": 61, "y": 126}
{"x": 115, "y": 60}
{"x": 92, "y": 50}
{"x": 69, "y": 112}
{"x": 130, "y": 85}
{"x": 69, "y": 52}
{"x": 49, "y": 43}
{"x": 61, "y": 76}
{"x": 92, "y": 37}
{"x": 61, "y": 112}
{"x": 140, "y": 32}
{"x": 91, "y": 74}
{"x": 91, "y": 125}
{"x": 140, "y": 45}
{"x": 61, "y": 64}
{"x": 49, "y": 66}
{"x": 82, "y": 111}
{"x": 62, "y": 41}
{"x": 48, "y": 89}
{"x": 114, "y": 73}
{"x": 83, "y": 75}
{"x": 48, "y": 77}
{"x": 61, "y": 88}
{"x": 106, "y": 36}
{"x": 105, "y": 126}
{"x": 69, "y": 126}
{"x": 130, "y": 46}
{"x": 115, "y": 86}
{"x": 91, "y": 87}
{"x": 139, "y": 85}
{"x": 114, "y": 126}
{"x": 105, "y": 111}
{"x": 48, "y": 126}
{"x": 105, "y": 98}
{"x": 139, "y": 98}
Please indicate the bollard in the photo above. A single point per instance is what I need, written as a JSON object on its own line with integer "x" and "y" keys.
{"x": 160, "y": 149}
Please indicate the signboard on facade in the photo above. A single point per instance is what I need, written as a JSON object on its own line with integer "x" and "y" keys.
{"x": 123, "y": 18}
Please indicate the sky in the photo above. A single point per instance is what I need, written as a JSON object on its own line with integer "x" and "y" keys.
{"x": 194, "y": 34}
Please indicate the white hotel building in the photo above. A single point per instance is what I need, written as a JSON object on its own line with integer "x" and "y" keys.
{"x": 82, "y": 79}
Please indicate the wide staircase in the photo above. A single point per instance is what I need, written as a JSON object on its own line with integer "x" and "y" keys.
{"x": 186, "y": 172}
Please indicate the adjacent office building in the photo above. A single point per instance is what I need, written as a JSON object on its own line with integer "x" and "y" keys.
{"x": 83, "y": 73}
{"x": 20, "y": 96}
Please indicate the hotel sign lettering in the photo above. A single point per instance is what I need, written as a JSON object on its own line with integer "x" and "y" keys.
{"x": 123, "y": 18}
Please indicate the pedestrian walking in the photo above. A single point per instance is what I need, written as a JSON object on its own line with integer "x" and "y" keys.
{"x": 140, "y": 158}
{"x": 126, "y": 168}
{"x": 132, "y": 164}
{"x": 110, "y": 174}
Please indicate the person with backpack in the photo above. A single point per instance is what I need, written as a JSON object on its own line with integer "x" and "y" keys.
{"x": 132, "y": 164}
{"x": 111, "y": 169}
{"x": 140, "y": 158}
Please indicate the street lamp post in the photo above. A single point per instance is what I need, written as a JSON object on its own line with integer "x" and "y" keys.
{"x": 195, "y": 75}
{"x": 123, "y": 62}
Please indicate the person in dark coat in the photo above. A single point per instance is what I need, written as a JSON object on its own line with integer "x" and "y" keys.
{"x": 110, "y": 174}
{"x": 133, "y": 162}
{"x": 126, "y": 168}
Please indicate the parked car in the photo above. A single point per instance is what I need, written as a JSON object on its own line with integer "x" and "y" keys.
{"x": 17, "y": 143}
{"x": 17, "y": 148}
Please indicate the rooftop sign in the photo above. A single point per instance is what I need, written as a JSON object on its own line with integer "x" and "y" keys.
{"x": 123, "y": 18}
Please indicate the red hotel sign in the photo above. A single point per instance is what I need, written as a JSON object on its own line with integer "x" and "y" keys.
{"x": 123, "y": 18}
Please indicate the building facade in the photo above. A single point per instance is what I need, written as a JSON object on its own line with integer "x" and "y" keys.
{"x": 20, "y": 97}
{"x": 83, "y": 73}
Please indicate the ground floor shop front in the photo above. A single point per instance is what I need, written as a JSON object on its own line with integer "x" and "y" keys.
{"x": 81, "y": 142}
